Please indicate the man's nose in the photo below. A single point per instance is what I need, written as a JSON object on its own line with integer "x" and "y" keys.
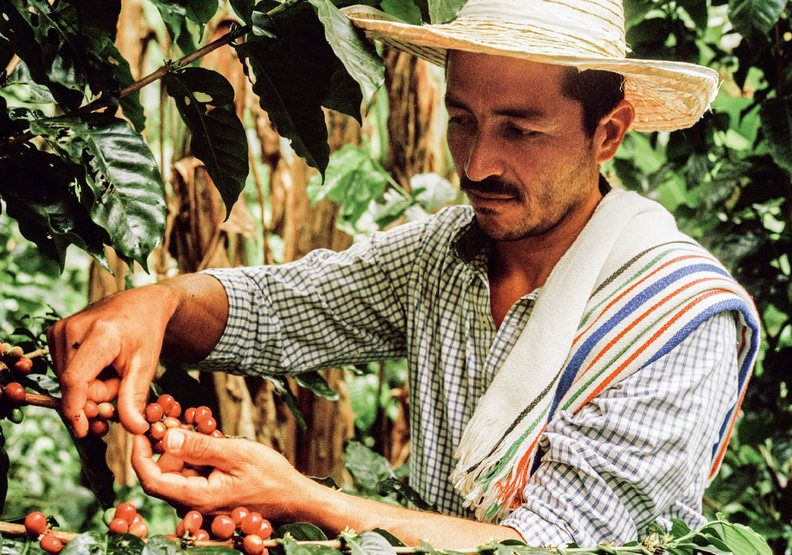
{"x": 483, "y": 159}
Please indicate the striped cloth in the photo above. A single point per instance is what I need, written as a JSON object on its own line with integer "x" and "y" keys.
{"x": 644, "y": 288}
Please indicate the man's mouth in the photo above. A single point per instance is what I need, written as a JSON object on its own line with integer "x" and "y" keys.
{"x": 489, "y": 196}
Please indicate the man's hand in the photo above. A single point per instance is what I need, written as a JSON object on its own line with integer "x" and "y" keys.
{"x": 245, "y": 473}
{"x": 122, "y": 333}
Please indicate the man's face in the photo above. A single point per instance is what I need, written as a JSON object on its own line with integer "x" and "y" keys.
{"x": 518, "y": 143}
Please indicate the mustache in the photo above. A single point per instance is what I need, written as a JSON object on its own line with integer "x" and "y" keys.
{"x": 492, "y": 185}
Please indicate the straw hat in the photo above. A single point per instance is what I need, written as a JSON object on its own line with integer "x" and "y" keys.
{"x": 584, "y": 34}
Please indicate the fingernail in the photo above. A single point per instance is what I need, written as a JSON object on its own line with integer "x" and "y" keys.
{"x": 175, "y": 440}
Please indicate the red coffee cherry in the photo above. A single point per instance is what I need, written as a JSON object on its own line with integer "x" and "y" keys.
{"x": 157, "y": 430}
{"x": 189, "y": 415}
{"x": 223, "y": 527}
{"x": 154, "y": 412}
{"x": 165, "y": 401}
{"x": 158, "y": 447}
{"x": 201, "y": 535}
{"x": 50, "y": 543}
{"x": 16, "y": 352}
{"x": 251, "y": 524}
{"x": 207, "y": 425}
{"x": 23, "y": 366}
{"x": 253, "y": 545}
{"x": 15, "y": 392}
{"x": 218, "y": 434}
{"x": 266, "y": 529}
{"x": 171, "y": 422}
{"x": 126, "y": 511}
{"x": 239, "y": 514}
{"x": 91, "y": 409}
{"x": 106, "y": 410}
{"x": 175, "y": 410}
{"x": 192, "y": 522}
{"x": 36, "y": 524}
{"x": 138, "y": 529}
{"x": 201, "y": 413}
{"x": 180, "y": 529}
{"x": 99, "y": 428}
{"x": 118, "y": 526}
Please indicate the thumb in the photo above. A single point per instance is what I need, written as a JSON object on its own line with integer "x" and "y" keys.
{"x": 198, "y": 449}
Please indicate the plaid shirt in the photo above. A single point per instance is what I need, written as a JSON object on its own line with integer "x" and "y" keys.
{"x": 638, "y": 453}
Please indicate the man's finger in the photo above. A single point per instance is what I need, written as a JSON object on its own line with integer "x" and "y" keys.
{"x": 170, "y": 463}
{"x": 201, "y": 450}
{"x": 89, "y": 360}
{"x": 106, "y": 390}
{"x": 132, "y": 396}
{"x": 166, "y": 485}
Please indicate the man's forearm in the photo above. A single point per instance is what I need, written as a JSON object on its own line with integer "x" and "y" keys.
{"x": 199, "y": 319}
{"x": 334, "y": 510}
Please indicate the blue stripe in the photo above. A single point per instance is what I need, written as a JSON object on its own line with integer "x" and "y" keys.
{"x": 570, "y": 372}
{"x": 733, "y": 304}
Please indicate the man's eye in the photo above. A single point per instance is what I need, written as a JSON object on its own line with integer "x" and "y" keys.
{"x": 520, "y": 132}
{"x": 459, "y": 120}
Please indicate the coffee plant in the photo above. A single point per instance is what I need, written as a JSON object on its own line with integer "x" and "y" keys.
{"x": 76, "y": 169}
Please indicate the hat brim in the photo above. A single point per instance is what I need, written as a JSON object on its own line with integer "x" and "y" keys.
{"x": 666, "y": 95}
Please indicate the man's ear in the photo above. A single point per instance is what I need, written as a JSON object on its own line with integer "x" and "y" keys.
{"x": 611, "y": 130}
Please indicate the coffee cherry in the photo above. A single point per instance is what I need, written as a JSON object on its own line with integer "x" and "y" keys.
{"x": 158, "y": 447}
{"x": 36, "y": 524}
{"x": 138, "y": 529}
{"x": 154, "y": 412}
{"x": 23, "y": 366}
{"x": 239, "y": 514}
{"x": 180, "y": 529}
{"x": 4, "y": 348}
{"x": 165, "y": 401}
{"x": 126, "y": 511}
{"x": 106, "y": 410}
{"x": 266, "y": 529}
{"x": 50, "y": 543}
{"x": 207, "y": 425}
{"x": 202, "y": 413}
{"x": 15, "y": 392}
{"x": 157, "y": 430}
{"x": 192, "y": 522}
{"x": 99, "y": 428}
{"x": 171, "y": 422}
{"x": 175, "y": 410}
{"x": 218, "y": 434}
{"x": 253, "y": 545}
{"x": 189, "y": 415}
{"x": 118, "y": 526}
{"x": 223, "y": 527}
{"x": 251, "y": 524}
{"x": 16, "y": 415}
{"x": 91, "y": 409}
{"x": 16, "y": 352}
{"x": 201, "y": 535}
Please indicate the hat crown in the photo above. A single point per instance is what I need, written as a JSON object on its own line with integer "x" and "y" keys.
{"x": 590, "y": 28}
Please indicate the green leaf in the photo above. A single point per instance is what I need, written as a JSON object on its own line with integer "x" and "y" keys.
{"x": 38, "y": 189}
{"x": 739, "y": 538}
{"x": 291, "y": 75}
{"x": 93, "y": 451}
{"x": 174, "y": 16}
{"x": 300, "y": 531}
{"x": 443, "y": 11}
{"x": 244, "y": 9}
{"x": 357, "y": 54}
{"x": 679, "y": 528}
{"x": 390, "y": 538}
{"x": 217, "y": 136}
{"x": 28, "y": 34}
{"x": 776, "y": 115}
{"x": 314, "y": 382}
{"x": 406, "y": 10}
{"x": 367, "y": 467}
{"x": 353, "y": 179}
{"x": 160, "y": 545}
{"x": 290, "y": 547}
{"x": 394, "y": 485}
{"x": 126, "y": 186}
{"x": 755, "y": 16}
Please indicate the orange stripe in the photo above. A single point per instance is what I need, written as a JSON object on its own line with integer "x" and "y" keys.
{"x": 508, "y": 489}
{"x": 639, "y": 319}
{"x": 633, "y": 286}
{"x": 657, "y": 334}
{"x": 716, "y": 463}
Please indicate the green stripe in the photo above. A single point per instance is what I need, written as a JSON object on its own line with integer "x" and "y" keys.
{"x": 509, "y": 455}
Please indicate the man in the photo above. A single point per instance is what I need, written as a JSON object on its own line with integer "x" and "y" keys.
{"x": 576, "y": 363}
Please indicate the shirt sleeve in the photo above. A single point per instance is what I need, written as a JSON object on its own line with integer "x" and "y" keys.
{"x": 326, "y": 309}
{"x": 637, "y": 453}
